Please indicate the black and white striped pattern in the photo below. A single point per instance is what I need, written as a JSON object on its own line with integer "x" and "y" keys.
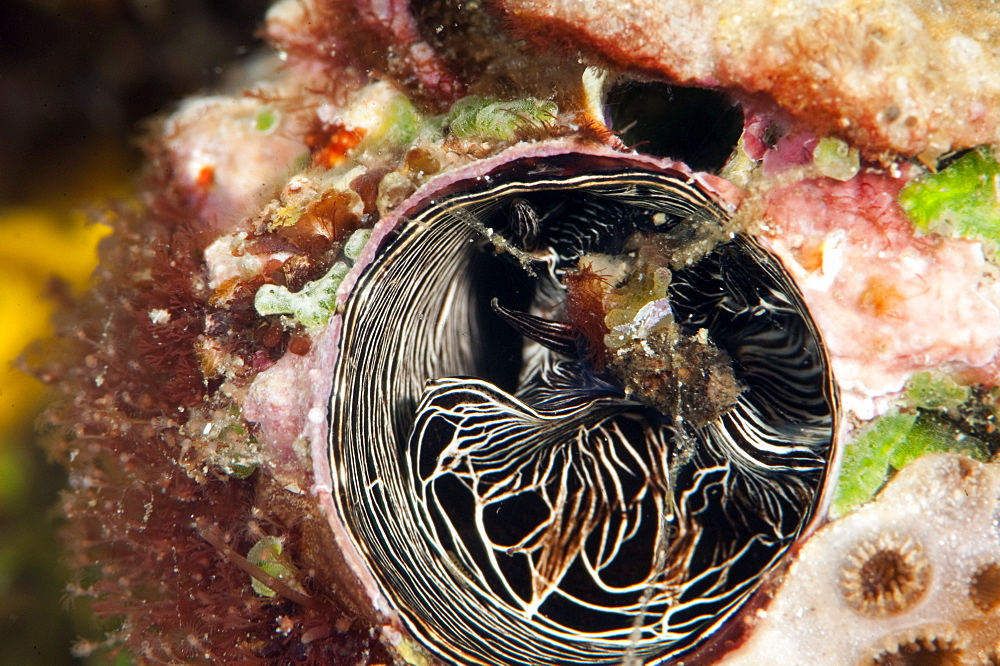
{"x": 512, "y": 503}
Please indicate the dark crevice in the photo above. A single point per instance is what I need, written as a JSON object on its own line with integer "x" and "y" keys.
{"x": 697, "y": 126}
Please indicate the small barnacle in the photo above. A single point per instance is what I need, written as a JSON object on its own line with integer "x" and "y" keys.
{"x": 933, "y": 646}
{"x": 886, "y": 575}
{"x": 984, "y": 588}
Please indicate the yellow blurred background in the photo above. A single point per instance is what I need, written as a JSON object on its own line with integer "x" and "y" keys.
{"x": 42, "y": 242}
{"x": 77, "y": 77}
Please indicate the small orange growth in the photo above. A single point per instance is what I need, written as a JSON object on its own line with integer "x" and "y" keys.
{"x": 326, "y": 219}
{"x": 225, "y": 292}
{"x": 880, "y": 298}
{"x": 206, "y": 177}
{"x": 585, "y": 291}
{"x": 810, "y": 257}
{"x": 599, "y": 130}
{"x": 330, "y": 145}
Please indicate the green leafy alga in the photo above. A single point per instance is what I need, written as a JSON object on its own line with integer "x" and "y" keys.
{"x": 356, "y": 244}
{"x": 930, "y": 390}
{"x": 311, "y": 306}
{"x": 267, "y": 554}
{"x": 267, "y": 120}
{"x": 962, "y": 200}
{"x": 918, "y": 426}
{"x": 401, "y": 123}
{"x": 482, "y": 118}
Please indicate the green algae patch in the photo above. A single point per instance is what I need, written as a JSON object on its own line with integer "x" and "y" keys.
{"x": 311, "y": 306}
{"x": 866, "y": 461}
{"x": 835, "y": 159}
{"x": 400, "y": 126}
{"x": 931, "y": 434}
{"x": 891, "y": 443}
{"x": 930, "y": 390}
{"x": 920, "y": 425}
{"x": 267, "y": 554}
{"x": 267, "y": 120}
{"x": 483, "y": 118}
{"x": 962, "y": 200}
{"x": 355, "y": 244}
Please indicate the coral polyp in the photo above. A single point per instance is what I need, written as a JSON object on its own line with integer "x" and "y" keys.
{"x": 886, "y": 575}
{"x": 984, "y": 589}
{"x": 906, "y": 579}
{"x": 924, "y": 647}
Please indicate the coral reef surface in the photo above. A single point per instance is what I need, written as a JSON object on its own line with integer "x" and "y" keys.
{"x": 197, "y": 373}
{"x": 909, "y": 578}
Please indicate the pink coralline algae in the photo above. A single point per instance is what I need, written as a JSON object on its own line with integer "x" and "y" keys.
{"x": 891, "y": 303}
